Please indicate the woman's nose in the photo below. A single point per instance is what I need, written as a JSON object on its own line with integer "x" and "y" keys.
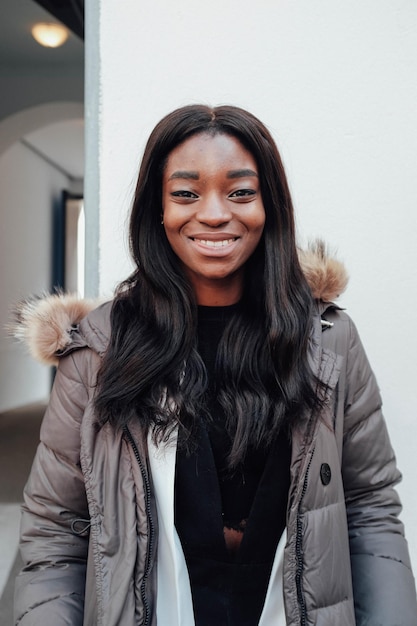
{"x": 214, "y": 211}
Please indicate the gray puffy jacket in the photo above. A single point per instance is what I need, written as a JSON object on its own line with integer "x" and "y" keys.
{"x": 89, "y": 527}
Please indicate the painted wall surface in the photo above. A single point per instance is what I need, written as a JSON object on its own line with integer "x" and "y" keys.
{"x": 25, "y": 86}
{"x": 335, "y": 83}
{"x": 29, "y": 187}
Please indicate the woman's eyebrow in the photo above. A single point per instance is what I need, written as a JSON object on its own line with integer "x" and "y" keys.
{"x": 241, "y": 173}
{"x": 188, "y": 175}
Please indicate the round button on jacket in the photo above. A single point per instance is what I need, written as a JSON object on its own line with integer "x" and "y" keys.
{"x": 325, "y": 473}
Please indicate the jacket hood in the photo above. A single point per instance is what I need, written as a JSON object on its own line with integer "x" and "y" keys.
{"x": 325, "y": 274}
{"x": 52, "y": 325}
{"x": 46, "y": 324}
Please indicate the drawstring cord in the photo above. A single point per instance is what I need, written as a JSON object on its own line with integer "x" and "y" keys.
{"x": 84, "y": 529}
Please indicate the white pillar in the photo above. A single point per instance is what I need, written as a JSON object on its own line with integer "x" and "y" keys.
{"x": 335, "y": 83}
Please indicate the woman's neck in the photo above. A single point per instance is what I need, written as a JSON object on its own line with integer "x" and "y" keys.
{"x": 217, "y": 292}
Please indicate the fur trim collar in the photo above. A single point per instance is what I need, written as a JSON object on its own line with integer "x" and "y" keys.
{"x": 325, "y": 274}
{"x": 46, "y": 324}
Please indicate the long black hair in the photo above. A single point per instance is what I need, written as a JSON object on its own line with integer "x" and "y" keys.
{"x": 152, "y": 370}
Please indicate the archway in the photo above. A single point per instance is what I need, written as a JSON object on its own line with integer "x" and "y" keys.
{"x": 15, "y": 126}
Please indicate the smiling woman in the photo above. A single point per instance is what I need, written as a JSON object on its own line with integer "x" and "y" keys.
{"x": 214, "y": 451}
{"x": 213, "y": 214}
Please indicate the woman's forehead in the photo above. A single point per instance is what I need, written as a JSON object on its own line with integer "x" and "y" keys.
{"x": 207, "y": 151}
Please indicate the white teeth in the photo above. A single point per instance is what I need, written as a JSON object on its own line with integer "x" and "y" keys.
{"x": 215, "y": 244}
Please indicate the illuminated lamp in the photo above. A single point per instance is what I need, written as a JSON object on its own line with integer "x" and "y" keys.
{"x": 50, "y": 35}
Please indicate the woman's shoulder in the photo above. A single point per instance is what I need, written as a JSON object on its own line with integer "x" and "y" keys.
{"x": 55, "y": 325}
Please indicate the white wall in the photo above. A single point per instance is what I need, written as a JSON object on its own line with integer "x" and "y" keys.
{"x": 335, "y": 82}
{"x": 28, "y": 189}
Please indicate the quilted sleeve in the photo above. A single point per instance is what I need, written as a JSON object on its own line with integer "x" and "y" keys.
{"x": 383, "y": 582}
{"x": 50, "y": 588}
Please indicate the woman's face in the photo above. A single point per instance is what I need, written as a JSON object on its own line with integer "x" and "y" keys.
{"x": 213, "y": 213}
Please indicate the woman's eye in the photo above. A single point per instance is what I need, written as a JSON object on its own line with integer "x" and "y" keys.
{"x": 182, "y": 193}
{"x": 242, "y": 193}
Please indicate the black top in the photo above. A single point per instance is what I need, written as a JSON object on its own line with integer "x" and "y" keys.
{"x": 228, "y": 586}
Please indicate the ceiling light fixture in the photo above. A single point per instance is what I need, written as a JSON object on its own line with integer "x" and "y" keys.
{"x": 50, "y": 35}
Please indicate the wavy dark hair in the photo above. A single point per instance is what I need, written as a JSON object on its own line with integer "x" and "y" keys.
{"x": 152, "y": 369}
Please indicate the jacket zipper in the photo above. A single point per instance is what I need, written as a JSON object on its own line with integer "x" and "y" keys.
{"x": 149, "y": 550}
{"x": 298, "y": 551}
